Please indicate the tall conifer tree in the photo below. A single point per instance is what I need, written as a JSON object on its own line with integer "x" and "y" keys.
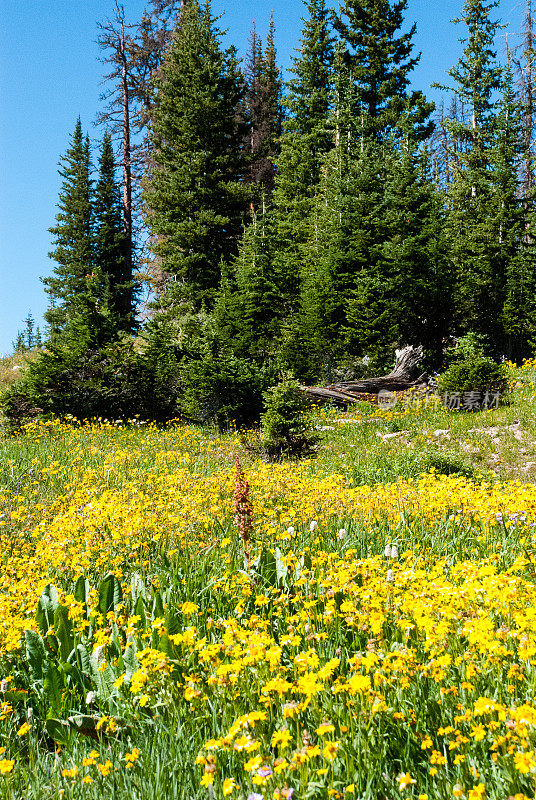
{"x": 476, "y": 232}
{"x": 73, "y": 234}
{"x": 195, "y": 194}
{"x": 263, "y": 103}
{"x": 305, "y": 141}
{"x": 381, "y": 62}
{"x": 112, "y": 248}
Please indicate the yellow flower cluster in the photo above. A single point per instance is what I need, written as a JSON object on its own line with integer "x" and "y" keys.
{"x": 349, "y": 651}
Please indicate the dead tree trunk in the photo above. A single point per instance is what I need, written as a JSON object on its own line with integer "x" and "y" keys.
{"x": 405, "y": 375}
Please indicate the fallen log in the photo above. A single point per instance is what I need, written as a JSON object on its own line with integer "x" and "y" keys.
{"x": 405, "y": 375}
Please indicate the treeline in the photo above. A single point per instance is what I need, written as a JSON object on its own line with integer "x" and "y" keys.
{"x": 311, "y": 227}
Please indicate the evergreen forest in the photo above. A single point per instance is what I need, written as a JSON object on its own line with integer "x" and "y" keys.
{"x": 305, "y": 227}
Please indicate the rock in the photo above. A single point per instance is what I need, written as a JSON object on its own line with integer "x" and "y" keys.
{"x": 385, "y": 436}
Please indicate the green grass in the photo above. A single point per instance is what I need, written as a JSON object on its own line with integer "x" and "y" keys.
{"x": 361, "y": 447}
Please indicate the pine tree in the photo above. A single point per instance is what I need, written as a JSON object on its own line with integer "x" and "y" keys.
{"x": 516, "y": 255}
{"x": 249, "y": 305}
{"x": 195, "y": 195}
{"x": 112, "y": 248}
{"x": 402, "y": 295}
{"x": 474, "y": 218}
{"x": 525, "y": 64}
{"x": 376, "y": 248}
{"x": 305, "y": 141}
{"x": 73, "y": 235}
{"x": 381, "y": 61}
{"x": 345, "y": 203}
{"x": 263, "y": 104}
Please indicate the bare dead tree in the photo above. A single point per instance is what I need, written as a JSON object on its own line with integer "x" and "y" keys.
{"x": 134, "y": 53}
{"x": 525, "y": 62}
{"x": 445, "y": 146}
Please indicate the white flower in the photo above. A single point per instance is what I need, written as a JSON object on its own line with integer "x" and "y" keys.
{"x": 342, "y": 533}
{"x": 387, "y": 551}
{"x": 389, "y": 578}
{"x": 90, "y": 698}
{"x": 394, "y": 551}
{"x": 313, "y": 526}
{"x": 3, "y": 685}
{"x": 98, "y": 651}
{"x": 291, "y": 531}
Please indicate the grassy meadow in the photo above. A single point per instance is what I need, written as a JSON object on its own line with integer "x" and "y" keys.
{"x": 361, "y": 624}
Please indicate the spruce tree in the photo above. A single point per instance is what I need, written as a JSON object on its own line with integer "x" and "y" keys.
{"x": 402, "y": 295}
{"x": 333, "y": 253}
{"x": 263, "y": 103}
{"x": 480, "y": 192}
{"x": 195, "y": 196}
{"x": 513, "y": 219}
{"x": 304, "y": 143}
{"x": 249, "y": 305}
{"x": 112, "y": 247}
{"x": 73, "y": 234}
{"x": 381, "y": 61}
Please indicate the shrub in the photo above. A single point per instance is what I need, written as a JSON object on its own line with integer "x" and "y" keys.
{"x": 472, "y": 345}
{"x": 112, "y": 382}
{"x": 221, "y": 388}
{"x": 473, "y": 374}
{"x": 285, "y": 429}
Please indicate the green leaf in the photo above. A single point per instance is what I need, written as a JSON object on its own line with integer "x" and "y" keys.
{"x": 110, "y": 594}
{"x": 103, "y": 677}
{"x": 46, "y": 607}
{"x": 130, "y": 662}
{"x": 53, "y": 690}
{"x": 83, "y": 659}
{"x": 63, "y": 628}
{"x": 84, "y": 724}
{"x": 280, "y": 567}
{"x": 268, "y": 567}
{"x": 158, "y": 606}
{"x": 81, "y": 590}
{"x": 36, "y": 656}
{"x": 58, "y": 730}
{"x": 139, "y": 611}
{"x": 137, "y": 586}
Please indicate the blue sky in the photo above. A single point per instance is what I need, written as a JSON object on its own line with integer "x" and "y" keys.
{"x": 50, "y": 73}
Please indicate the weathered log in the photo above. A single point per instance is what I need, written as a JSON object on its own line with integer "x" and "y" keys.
{"x": 404, "y": 376}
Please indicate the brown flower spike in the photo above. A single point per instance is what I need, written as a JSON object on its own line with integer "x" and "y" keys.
{"x": 242, "y": 506}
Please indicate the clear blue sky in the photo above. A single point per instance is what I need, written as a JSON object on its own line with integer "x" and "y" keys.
{"x": 50, "y": 73}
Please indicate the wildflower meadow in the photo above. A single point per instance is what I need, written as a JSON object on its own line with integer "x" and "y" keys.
{"x": 181, "y": 619}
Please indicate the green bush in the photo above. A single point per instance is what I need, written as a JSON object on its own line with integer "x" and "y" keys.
{"x": 471, "y": 346}
{"x": 112, "y": 382}
{"x": 285, "y": 428}
{"x": 220, "y": 388}
{"x": 473, "y": 374}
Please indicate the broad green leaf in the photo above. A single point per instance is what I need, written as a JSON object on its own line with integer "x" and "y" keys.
{"x": 281, "y": 567}
{"x": 130, "y": 662}
{"x": 137, "y": 586}
{"x": 268, "y": 567}
{"x": 53, "y": 690}
{"x": 58, "y": 730}
{"x": 83, "y": 659}
{"x": 46, "y": 607}
{"x": 81, "y": 590}
{"x": 158, "y": 606}
{"x": 139, "y": 611}
{"x": 63, "y": 628}
{"x": 110, "y": 594}
{"x": 36, "y": 656}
